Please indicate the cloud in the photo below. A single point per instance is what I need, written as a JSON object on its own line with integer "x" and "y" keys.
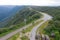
{"x": 30, "y": 2}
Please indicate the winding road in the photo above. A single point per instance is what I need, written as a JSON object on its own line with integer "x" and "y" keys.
{"x": 33, "y": 31}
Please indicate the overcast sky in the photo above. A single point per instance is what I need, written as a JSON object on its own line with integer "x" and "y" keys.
{"x": 31, "y": 2}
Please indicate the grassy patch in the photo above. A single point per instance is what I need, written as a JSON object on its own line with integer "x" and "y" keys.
{"x": 41, "y": 28}
{"x": 24, "y": 38}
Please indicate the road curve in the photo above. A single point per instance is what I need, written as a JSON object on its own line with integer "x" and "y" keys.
{"x": 33, "y": 31}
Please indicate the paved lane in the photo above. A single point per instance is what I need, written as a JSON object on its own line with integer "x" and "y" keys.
{"x": 33, "y": 32}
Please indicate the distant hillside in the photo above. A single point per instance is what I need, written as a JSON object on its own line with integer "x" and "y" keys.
{"x": 4, "y": 12}
{"x": 7, "y": 11}
{"x": 54, "y": 11}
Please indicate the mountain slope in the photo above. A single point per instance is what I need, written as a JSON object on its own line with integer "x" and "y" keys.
{"x": 19, "y": 17}
{"x": 7, "y": 11}
{"x": 4, "y": 11}
{"x": 18, "y": 20}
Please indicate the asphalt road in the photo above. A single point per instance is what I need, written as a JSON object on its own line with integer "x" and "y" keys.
{"x": 33, "y": 31}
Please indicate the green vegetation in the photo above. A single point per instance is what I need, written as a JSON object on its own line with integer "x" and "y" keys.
{"x": 4, "y": 31}
{"x": 53, "y": 28}
{"x": 24, "y": 38}
{"x": 17, "y": 21}
{"x": 42, "y": 27}
{"x": 54, "y": 24}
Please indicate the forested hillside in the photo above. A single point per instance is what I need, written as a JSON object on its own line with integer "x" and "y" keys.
{"x": 53, "y": 29}
{"x": 8, "y": 11}
{"x": 4, "y": 11}
{"x": 21, "y": 18}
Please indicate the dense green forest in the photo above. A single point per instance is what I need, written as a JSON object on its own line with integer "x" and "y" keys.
{"x": 21, "y": 18}
{"x": 53, "y": 29}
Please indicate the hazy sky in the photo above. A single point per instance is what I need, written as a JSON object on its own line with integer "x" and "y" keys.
{"x": 31, "y": 2}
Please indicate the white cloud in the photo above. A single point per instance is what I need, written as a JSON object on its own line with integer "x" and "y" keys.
{"x": 29, "y": 2}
